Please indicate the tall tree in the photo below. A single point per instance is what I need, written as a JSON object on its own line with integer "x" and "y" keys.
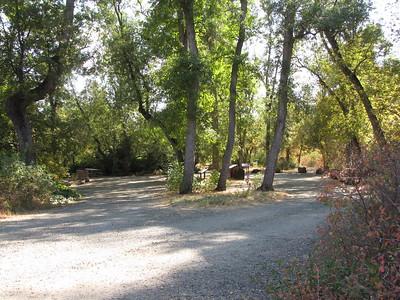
{"x": 36, "y": 60}
{"x": 343, "y": 20}
{"x": 192, "y": 90}
{"x": 232, "y": 99}
{"x": 334, "y": 52}
{"x": 287, "y": 53}
{"x": 128, "y": 51}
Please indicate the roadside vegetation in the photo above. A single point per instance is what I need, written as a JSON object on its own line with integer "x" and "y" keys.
{"x": 358, "y": 252}
{"x": 26, "y": 187}
{"x": 194, "y": 88}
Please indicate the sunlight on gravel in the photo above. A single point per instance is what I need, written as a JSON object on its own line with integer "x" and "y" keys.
{"x": 123, "y": 242}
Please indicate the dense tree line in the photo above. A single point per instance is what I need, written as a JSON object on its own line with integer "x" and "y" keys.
{"x": 131, "y": 86}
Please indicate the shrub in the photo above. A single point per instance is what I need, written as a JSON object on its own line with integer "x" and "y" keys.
{"x": 65, "y": 191}
{"x": 24, "y": 187}
{"x": 283, "y": 164}
{"x": 358, "y": 254}
{"x": 208, "y": 184}
{"x": 174, "y": 176}
{"x": 256, "y": 181}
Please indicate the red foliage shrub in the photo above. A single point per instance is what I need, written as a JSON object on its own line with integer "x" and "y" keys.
{"x": 358, "y": 254}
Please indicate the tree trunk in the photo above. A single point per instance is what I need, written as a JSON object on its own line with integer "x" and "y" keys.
{"x": 268, "y": 136}
{"x": 53, "y": 123}
{"x": 232, "y": 100}
{"x": 268, "y": 108}
{"x": 287, "y": 51}
{"x": 299, "y": 156}
{"x": 287, "y": 154}
{"x": 192, "y": 97}
{"x": 16, "y": 110}
{"x": 353, "y": 151}
{"x": 215, "y": 125}
{"x": 352, "y": 77}
{"x": 22, "y": 98}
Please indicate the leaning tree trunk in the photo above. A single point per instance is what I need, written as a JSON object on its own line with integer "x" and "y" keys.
{"x": 226, "y": 160}
{"x": 192, "y": 97}
{"x": 354, "y": 148}
{"x": 18, "y": 102}
{"x": 337, "y": 57}
{"x": 16, "y": 110}
{"x": 288, "y": 42}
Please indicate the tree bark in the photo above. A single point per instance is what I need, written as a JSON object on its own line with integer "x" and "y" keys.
{"x": 226, "y": 160}
{"x": 287, "y": 51}
{"x": 192, "y": 97}
{"x": 53, "y": 123}
{"x": 268, "y": 109}
{"x": 18, "y": 102}
{"x": 16, "y": 111}
{"x": 337, "y": 57}
{"x": 216, "y": 165}
{"x": 299, "y": 156}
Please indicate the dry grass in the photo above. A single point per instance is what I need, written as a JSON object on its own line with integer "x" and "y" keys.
{"x": 231, "y": 197}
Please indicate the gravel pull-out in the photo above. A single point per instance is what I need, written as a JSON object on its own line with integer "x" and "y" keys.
{"x": 123, "y": 242}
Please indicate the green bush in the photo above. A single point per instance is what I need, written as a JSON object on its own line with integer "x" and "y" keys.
{"x": 175, "y": 175}
{"x": 208, "y": 184}
{"x": 65, "y": 191}
{"x": 24, "y": 187}
{"x": 256, "y": 181}
{"x": 285, "y": 165}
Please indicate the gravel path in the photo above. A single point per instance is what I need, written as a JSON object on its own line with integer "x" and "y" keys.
{"x": 123, "y": 243}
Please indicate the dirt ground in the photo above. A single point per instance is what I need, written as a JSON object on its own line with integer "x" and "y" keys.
{"x": 123, "y": 241}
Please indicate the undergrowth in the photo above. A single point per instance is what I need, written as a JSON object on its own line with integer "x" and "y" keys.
{"x": 24, "y": 187}
{"x": 358, "y": 253}
{"x": 235, "y": 195}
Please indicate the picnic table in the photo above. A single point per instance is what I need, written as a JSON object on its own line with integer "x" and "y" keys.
{"x": 202, "y": 173}
{"x": 93, "y": 172}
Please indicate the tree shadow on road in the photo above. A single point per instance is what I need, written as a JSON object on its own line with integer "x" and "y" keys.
{"x": 209, "y": 253}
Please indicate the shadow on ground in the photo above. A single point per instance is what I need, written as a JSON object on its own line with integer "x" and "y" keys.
{"x": 123, "y": 242}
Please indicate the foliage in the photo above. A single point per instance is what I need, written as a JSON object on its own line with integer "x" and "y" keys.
{"x": 358, "y": 255}
{"x": 208, "y": 184}
{"x": 283, "y": 164}
{"x": 174, "y": 176}
{"x": 64, "y": 191}
{"x": 24, "y": 187}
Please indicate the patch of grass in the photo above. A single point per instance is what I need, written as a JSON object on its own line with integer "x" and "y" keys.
{"x": 229, "y": 198}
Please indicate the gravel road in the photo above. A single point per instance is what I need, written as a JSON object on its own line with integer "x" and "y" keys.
{"x": 122, "y": 242}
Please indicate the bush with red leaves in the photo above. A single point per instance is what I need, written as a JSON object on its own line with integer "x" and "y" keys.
{"x": 358, "y": 253}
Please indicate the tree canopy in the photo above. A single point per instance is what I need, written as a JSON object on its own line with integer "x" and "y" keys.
{"x": 135, "y": 86}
